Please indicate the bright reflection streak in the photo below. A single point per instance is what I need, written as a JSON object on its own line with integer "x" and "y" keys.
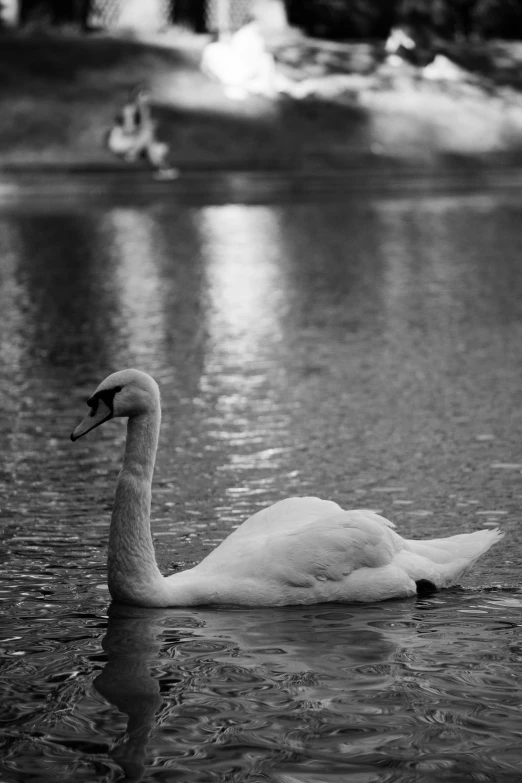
{"x": 244, "y": 368}
{"x": 241, "y": 248}
{"x": 136, "y": 242}
{"x": 10, "y": 298}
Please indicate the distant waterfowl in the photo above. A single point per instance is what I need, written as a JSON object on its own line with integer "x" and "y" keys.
{"x": 297, "y": 551}
{"x": 133, "y": 135}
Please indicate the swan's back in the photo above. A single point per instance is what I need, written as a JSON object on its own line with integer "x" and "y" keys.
{"x": 307, "y": 550}
{"x": 286, "y": 515}
{"x": 307, "y": 524}
{"x": 302, "y": 550}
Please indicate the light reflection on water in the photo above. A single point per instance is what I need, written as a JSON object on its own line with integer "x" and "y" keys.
{"x": 135, "y": 242}
{"x": 369, "y": 354}
{"x": 387, "y": 692}
{"x": 244, "y": 257}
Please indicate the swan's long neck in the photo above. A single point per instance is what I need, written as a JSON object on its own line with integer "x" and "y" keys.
{"x": 133, "y": 574}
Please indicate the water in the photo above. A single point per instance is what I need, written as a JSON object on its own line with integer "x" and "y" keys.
{"x": 367, "y": 352}
{"x": 387, "y": 692}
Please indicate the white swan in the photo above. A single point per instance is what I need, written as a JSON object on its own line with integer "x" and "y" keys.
{"x": 298, "y": 551}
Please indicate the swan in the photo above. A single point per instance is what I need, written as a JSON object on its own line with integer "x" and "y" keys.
{"x": 301, "y": 550}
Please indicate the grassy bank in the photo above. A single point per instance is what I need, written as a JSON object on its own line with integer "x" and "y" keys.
{"x": 59, "y": 95}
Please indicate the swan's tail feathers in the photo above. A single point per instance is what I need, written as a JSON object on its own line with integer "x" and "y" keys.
{"x": 445, "y": 560}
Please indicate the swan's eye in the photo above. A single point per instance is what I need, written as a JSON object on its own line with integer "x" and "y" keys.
{"x": 107, "y": 395}
{"x": 92, "y": 402}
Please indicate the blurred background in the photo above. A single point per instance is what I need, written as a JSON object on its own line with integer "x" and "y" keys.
{"x": 351, "y": 79}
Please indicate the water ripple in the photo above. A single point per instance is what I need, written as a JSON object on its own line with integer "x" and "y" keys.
{"x": 335, "y": 350}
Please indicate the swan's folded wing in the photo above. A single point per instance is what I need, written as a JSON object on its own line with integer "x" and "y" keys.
{"x": 330, "y": 549}
{"x": 286, "y": 515}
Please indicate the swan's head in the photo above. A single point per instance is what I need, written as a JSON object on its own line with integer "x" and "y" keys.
{"x": 124, "y": 393}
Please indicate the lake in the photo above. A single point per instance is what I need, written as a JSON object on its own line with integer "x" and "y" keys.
{"x": 365, "y": 350}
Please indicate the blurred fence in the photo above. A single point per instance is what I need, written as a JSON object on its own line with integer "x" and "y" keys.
{"x": 217, "y": 15}
{"x": 149, "y": 14}
{"x": 345, "y": 19}
{"x": 226, "y": 14}
{"x": 209, "y": 15}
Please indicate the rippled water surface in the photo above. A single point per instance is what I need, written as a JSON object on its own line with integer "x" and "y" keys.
{"x": 369, "y": 353}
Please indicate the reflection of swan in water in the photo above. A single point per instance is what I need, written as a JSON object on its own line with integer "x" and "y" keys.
{"x": 298, "y": 551}
{"x": 126, "y": 681}
{"x": 225, "y": 661}
{"x": 257, "y": 690}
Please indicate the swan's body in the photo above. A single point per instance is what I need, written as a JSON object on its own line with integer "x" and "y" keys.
{"x": 298, "y": 551}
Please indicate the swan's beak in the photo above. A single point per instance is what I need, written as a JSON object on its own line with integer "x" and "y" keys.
{"x": 97, "y": 416}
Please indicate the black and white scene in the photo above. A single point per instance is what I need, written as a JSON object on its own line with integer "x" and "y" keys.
{"x": 261, "y": 391}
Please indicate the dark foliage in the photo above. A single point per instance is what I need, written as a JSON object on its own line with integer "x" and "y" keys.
{"x": 451, "y": 19}
{"x": 464, "y": 19}
{"x": 340, "y": 19}
{"x": 343, "y": 18}
{"x": 57, "y": 12}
